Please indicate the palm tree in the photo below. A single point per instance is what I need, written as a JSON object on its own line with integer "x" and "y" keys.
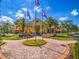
{"x": 51, "y": 22}
{"x": 21, "y": 23}
{"x": 17, "y": 23}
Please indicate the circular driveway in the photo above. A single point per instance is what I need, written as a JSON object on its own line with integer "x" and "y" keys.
{"x": 52, "y": 50}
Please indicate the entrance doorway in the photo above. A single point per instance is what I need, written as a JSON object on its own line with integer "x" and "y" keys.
{"x": 37, "y": 29}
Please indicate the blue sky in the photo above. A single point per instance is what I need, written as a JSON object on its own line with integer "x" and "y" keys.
{"x": 59, "y": 9}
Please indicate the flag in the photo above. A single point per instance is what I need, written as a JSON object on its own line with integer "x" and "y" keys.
{"x": 28, "y": 14}
{"x": 43, "y": 14}
{"x": 37, "y": 3}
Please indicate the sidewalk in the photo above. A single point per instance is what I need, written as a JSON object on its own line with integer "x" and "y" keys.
{"x": 2, "y": 56}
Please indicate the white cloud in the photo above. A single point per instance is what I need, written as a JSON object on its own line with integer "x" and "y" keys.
{"x": 19, "y": 11}
{"x": 63, "y": 18}
{"x": 5, "y": 19}
{"x": 10, "y": 12}
{"x": 24, "y": 9}
{"x": 19, "y": 14}
{"x": 74, "y": 12}
{"x": 47, "y": 7}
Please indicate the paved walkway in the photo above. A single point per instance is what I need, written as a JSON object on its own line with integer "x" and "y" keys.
{"x": 47, "y": 39}
{"x": 2, "y": 56}
{"x": 54, "y": 49}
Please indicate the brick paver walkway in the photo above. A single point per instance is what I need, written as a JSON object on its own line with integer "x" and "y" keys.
{"x": 54, "y": 49}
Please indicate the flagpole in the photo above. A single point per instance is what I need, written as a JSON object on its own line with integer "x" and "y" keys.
{"x": 27, "y": 25}
{"x": 50, "y": 29}
{"x": 42, "y": 27}
{"x": 28, "y": 20}
{"x": 35, "y": 19}
{"x": 42, "y": 23}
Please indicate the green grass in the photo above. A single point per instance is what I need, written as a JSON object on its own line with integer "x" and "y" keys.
{"x": 75, "y": 50}
{"x": 61, "y": 37}
{"x": 1, "y": 42}
{"x": 10, "y": 38}
{"x": 37, "y": 42}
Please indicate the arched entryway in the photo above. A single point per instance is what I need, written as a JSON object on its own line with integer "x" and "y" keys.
{"x": 37, "y": 29}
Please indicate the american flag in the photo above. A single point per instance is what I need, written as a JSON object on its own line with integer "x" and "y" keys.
{"x": 43, "y": 14}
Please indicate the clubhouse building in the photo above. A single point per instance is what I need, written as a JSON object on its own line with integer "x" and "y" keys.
{"x": 37, "y": 26}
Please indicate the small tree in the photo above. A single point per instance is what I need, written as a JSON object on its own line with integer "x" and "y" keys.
{"x": 69, "y": 26}
{"x": 6, "y": 27}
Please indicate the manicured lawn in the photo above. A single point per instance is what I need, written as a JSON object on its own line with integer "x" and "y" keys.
{"x": 61, "y": 37}
{"x": 76, "y": 50}
{"x": 10, "y": 38}
{"x": 37, "y": 42}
